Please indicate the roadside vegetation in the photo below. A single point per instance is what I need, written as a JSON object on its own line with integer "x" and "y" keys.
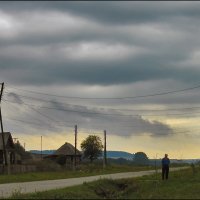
{"x": 183, "y": 184}
{"x": 83, "y": 170}
{"x": 50, "y": 170}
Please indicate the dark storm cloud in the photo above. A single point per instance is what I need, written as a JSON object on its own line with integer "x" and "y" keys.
{"x": 150, "y": 44}
{"x": 128, "y": 71}
{"x": 143, "y": 41}
{"x": 114, "y": 12}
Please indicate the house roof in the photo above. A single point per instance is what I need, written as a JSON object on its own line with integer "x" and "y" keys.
{"x": 8, "y": 140}
{"x": 67, "y": 149}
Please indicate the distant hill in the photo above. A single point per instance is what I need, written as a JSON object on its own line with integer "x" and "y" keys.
{"x": 120, "y": 154}
{"x": 47, "y": 152}
{"x": 125, "y": 155}
{"x": 110, "y": 154}
{"x": 177, "y": 161}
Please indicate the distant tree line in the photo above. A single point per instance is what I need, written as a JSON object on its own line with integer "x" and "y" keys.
{"x": 21, "y": 151}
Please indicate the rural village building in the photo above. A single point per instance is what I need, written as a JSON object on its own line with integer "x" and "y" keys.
{"x": 67, "y": 151}
{"x": 9, "y": 147}
{"x": 14, "y": 160}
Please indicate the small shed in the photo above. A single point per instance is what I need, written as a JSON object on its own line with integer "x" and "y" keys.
{"x": 67, "y": 151}
{"x": 9, "y": 148}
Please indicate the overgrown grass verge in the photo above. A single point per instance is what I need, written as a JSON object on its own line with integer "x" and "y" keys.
{"x": 85, "y": 170}
{"x": 183, "y": 184}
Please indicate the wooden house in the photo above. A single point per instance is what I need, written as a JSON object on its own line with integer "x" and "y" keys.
{"x": 67, "y": 151}
{"x": 9, "y": 148}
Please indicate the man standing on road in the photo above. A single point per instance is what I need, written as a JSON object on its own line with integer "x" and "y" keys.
{"x": 165, "y": 167}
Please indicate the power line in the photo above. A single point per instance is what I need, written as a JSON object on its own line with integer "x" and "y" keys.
{"x": 10, "y": 104}
{"x": 33, "y": 123}
{"x": 131, "y": 97}
{"x": 83, "y": 130}
{"x": 38, "y": 112}
{"x": 149, "y": 131}
{"x": 85, "y": 124}
{"x": 136, "y": 133}
{"x": 79, "y": 111}
{"x": 40, "y": 125}
{"x": 108, "y": 114}
{"x": 112, "y": 114}
{"x": 122, "y": 126}
{"x": 19, "y": 120}
{"x": 136, "y": 110}
{"x": 35, "y": 110}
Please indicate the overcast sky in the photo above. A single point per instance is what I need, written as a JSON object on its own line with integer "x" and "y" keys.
{"x": 102, "y": 50}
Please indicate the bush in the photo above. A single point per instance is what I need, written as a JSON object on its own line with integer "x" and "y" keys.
{"x": 21, "y": 151}
{"x": 47, "y": 165}
{"x": 90, "y": 167}
{"x": 141, "y": 158}
{"x": 61, "y": 160}
{"x": 193, "y": 169}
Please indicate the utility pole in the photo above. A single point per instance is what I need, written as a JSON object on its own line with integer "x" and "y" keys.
{"x": 75, "y": 146}
{"x": 2, "y": 132}
{"x": 156, "y": 166}
{"x": 41, "y": 147}
{"x": 104, "y": 155}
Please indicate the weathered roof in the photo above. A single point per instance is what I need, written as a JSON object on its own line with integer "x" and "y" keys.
{"x": 67, "y": 149}
{"x": 8, "y": 140}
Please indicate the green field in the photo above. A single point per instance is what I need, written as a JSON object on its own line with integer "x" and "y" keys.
{"x": 86, "y": 170}
{"x": 183, "y": 184}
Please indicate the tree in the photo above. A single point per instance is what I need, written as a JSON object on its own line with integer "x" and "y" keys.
{"x": 21, "y": 151}
{"x": 141, "y": 158}
{"x": 92, "y": 147}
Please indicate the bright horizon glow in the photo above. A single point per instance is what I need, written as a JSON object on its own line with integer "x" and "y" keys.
{"x": 133, "y": 144}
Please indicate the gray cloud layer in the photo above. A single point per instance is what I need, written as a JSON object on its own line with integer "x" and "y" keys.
{"x": 101, "y": 49}
{"x": 57, "y": 116}
{"x": 102, "y": 43}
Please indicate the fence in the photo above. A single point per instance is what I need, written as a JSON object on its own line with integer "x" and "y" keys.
{"x": 15, "y": 169}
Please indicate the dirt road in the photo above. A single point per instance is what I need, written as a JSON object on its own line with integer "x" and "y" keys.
{"x": 8, "y": 189}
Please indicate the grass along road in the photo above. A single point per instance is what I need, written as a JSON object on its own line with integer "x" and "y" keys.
{"x": 183, "y": 184}
{"x": 85, "y": 170}
{"x": 7, "y": 190}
